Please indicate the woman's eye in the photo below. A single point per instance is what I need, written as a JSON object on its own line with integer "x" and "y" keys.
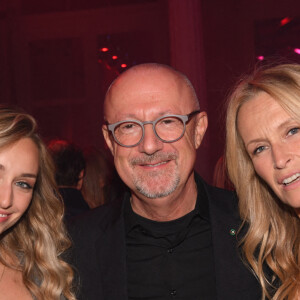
{"x": 293, "y": 131}
{"x": 258, "y": 150}
{"x": 23, "y": 185}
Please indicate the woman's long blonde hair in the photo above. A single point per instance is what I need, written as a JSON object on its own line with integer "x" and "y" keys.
{"x": 271, "y": 245}
{"x": 39, "y": 238}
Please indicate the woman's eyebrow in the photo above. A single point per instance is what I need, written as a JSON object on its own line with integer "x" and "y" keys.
{"x": 28, "y": 175}
{"x": 286, "y": 122}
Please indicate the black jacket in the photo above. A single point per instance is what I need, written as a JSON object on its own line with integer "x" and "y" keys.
{"x": 99, "y": 251}
{"x": 74, "y": 202}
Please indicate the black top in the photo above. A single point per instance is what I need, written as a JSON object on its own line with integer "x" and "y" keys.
{"x": 170, "y": 259}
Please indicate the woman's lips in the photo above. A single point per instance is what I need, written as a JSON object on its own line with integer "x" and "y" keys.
{"x": 3, "y": 217}
{"x": 291, "y": 179}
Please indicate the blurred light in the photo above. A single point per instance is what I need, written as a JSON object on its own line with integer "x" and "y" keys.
{"x": 261, "y": 57}
{"x": 123, "y": 65}
{"x": 285, "y": 21}
{"x": 297, "y": 50}
{"x": 114, "y": 57}
{"x": 104, "y": 49}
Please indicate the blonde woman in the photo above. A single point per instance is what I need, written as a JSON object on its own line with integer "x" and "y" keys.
{"x": 263, "y": 160}
{"x": 32, "y": 235}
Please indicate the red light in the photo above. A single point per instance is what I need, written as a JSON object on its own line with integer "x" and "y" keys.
{"x": 104, "y": 49}
{"x": 285, "y": 21}
{"x": 261, "y": 57}
{"x": 114, "y": 57}
{"x": 123, "y": 65}
{"x": 297, "y": 50}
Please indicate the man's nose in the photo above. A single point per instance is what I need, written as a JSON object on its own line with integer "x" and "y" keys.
{"x": 281, "y": 156}
{"x": 151, "y": 143}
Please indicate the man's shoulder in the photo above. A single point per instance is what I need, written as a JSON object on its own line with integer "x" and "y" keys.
{"x": 227, "y": 199}
{"x": 234, "y": 280}
{"x": 215, "y": 191}
{"x": 221, "y": 200}
{"x": 96, "y": 219}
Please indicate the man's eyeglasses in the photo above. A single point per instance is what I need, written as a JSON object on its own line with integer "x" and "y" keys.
{"x": 169, "y": 129}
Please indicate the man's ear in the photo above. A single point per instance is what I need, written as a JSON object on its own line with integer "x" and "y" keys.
{"x": 200, "y": 129}
{"x": 108, "y": 139}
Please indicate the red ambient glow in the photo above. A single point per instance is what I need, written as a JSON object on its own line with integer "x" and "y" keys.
{"x": 285, "y": 21}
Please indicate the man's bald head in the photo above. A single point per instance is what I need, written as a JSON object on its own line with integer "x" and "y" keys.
{"x": 144, "y": 72}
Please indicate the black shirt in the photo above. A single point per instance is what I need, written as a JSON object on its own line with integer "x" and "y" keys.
{"x": 170, "y": 260}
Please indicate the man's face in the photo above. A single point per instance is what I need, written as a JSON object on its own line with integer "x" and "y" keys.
{"x": 153, "y": 169}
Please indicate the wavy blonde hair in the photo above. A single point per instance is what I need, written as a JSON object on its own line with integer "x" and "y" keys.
{"x": 39, "y": 238}
{"x": 271, "y": 245}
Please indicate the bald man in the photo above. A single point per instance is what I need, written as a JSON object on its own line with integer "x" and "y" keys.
{"x": 170, "y": 235}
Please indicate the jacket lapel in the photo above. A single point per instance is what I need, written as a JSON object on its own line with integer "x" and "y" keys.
{"x": 233, "y": 279}
{"x": 111, "y": 256}
{"x": 226, "y": 257}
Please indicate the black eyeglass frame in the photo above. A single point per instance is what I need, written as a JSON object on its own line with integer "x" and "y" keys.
{"x": 184, "y": 118}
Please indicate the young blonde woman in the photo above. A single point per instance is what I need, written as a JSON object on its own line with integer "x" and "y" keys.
{"x": 263, "y": 160}
{"x": 32, "y": 235}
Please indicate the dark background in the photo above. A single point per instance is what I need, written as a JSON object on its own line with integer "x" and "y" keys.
{"x": 51, "y": 63}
